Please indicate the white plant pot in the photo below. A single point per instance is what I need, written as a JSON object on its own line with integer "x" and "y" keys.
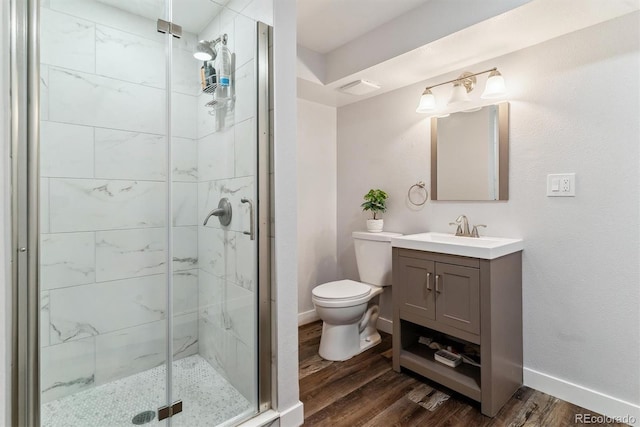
{"x": 375, "y": 225}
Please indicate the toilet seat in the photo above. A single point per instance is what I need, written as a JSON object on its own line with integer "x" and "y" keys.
{"x": 341, "y": 293}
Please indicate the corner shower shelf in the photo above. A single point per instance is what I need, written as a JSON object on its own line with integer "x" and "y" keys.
{"x": 210, "y": 89}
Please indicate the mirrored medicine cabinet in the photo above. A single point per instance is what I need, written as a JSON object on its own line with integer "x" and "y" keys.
{"x": 470, "y": 155}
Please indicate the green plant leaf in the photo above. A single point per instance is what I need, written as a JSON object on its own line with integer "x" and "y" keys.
{"x": 375, "y": 201}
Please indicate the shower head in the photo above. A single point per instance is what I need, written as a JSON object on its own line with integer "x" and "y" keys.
{"x": 205, "y": 51}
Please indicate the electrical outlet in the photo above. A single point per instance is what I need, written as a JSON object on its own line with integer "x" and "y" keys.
{"x": 561, "y": 185}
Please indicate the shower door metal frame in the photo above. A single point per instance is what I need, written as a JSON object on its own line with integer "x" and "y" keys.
{"x": 264, "y": 66}
{"x": 25, "y": 214}
{"x": 24, "y": 73}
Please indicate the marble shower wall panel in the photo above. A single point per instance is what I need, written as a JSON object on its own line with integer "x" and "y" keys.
{"x": 241, "y": 313}
{"x": 183, "y": 112}
{"x": 130, "y": 253}
{"x": 74, "y": 368}
{"x": 245, "y": 154}
{"x": 125, "y": 56}
{"x": 66, "y": 150}
{"x": 185, "y": 203}
{"x": 127, "y": 352}
{"x": 44, "y": 319}
{"x": 210, "y": 294}
{"x": 245, "y": 92}
{"x": 185, "y": 160}
{"x": 130, "y": 155}
{"x": 185, "y": 292}
{"x": 44, "y": 205}
{"x": 185, "y": 248}
{"x": 217, "y": 252}
{"x": 67, "y": 41}
{"x": 92, "y": 100}
{"x": 44, "y": 92}
{"x": 216, "y": 155}
{"x": 99, "y": 308}
{"x": 246, "y": 263}
{"x": 67, "y": 259}
{"x": 87, "y": 205}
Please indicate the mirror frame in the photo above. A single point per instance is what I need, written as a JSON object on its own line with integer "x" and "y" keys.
{"x": 503, "y": 155}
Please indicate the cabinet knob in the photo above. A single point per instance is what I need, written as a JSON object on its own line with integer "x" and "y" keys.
{"x": 437, "y": 283}
{"x": 428, "y": 282}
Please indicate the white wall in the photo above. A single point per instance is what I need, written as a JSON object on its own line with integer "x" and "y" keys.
{"x": 317, "y": 262}
{"x": 574, "y": 108}
{"x": 285, "y": 292}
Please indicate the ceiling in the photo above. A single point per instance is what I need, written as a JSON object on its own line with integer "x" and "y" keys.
{"x": 324, "y": 25}
{"x": 436, "y": 38}
{"x": 192, "y": 15}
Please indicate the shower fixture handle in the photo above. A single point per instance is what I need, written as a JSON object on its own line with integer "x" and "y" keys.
{"x": 223, "y": 212}
{"x": 252, "y": 232}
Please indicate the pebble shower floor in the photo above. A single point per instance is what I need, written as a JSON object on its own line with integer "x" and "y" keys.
{"x": 208, "y": 399}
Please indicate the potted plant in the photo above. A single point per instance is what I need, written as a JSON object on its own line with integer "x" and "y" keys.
{"x": 376, "y": 202}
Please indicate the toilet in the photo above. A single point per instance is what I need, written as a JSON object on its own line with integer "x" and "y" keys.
{"x": 349, "y": 321}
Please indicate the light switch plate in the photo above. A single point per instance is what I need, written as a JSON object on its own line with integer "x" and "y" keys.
{"x": 561, "y": 185}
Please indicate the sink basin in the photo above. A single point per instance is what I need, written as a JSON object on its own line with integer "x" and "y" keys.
{"x": 476, "y": 247}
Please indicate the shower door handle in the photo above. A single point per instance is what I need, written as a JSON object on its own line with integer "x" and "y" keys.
{"x": 251, "y": 233}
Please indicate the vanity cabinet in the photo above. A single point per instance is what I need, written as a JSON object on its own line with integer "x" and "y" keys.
{"x": 467, "y": 300}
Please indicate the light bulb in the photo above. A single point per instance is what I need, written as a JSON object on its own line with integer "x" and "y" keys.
{"x": 495, "y": 87}
{"x": 458, "y": 94}
{"x": 427, "y": 102}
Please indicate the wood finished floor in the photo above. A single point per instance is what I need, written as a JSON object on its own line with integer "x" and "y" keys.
{"x": 366, "y": 391}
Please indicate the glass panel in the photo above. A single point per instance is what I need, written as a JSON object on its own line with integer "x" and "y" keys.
{"x": 214, "y": 159}
{"x": 103, "y": 209}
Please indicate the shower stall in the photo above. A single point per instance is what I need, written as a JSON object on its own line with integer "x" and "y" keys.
{"x": 140, "y": 141}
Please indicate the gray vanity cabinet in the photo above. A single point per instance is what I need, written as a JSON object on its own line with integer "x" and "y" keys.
{"x": 472, "y": 300}
{"x": 457, "y": 295}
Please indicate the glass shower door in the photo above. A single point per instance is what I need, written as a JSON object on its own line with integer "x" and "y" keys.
{"x": 149, "y": 214}
{"x": 103, "y": 204}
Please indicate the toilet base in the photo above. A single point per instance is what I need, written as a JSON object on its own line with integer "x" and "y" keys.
{"x": 371, "y": 341}
{"x": 341, "y": 342}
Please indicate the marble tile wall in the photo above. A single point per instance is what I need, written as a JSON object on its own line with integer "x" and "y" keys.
{"x": 103, "y": 196}
{"x": 227, "y": 295}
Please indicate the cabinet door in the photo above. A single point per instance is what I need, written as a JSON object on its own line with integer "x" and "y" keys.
{"x": 416, "y": 279}
{"x": 458, "y": 297}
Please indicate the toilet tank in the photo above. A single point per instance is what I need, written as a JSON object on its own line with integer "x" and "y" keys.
{"x": 373, "y": 255}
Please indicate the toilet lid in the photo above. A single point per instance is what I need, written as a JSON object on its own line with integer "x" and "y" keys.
{"x": 341, "y": 290}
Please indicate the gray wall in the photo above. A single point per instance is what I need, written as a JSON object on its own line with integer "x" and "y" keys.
{"x": 317, "y": 189}
{"x": 574, "y": 108}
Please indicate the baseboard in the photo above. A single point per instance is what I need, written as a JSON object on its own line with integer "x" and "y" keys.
{"x": 595, "y": 401}
{"x": 307, "y": 317}
{"x": 292, "y": 417}
{"x": 385, "y": 325}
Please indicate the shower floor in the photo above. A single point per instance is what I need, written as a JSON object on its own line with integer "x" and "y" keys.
{"x": 208, "y": 399}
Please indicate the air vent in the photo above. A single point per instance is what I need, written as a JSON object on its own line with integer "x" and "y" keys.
{"x": 359, "y": 87}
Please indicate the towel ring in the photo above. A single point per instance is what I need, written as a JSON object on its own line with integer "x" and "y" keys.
{"x": 421, "y": 185}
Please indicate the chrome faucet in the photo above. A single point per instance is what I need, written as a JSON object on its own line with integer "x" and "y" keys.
{"x": 463, "y": 226}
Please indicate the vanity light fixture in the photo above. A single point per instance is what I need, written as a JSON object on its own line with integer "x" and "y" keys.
{"x": 495, "y": 88}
